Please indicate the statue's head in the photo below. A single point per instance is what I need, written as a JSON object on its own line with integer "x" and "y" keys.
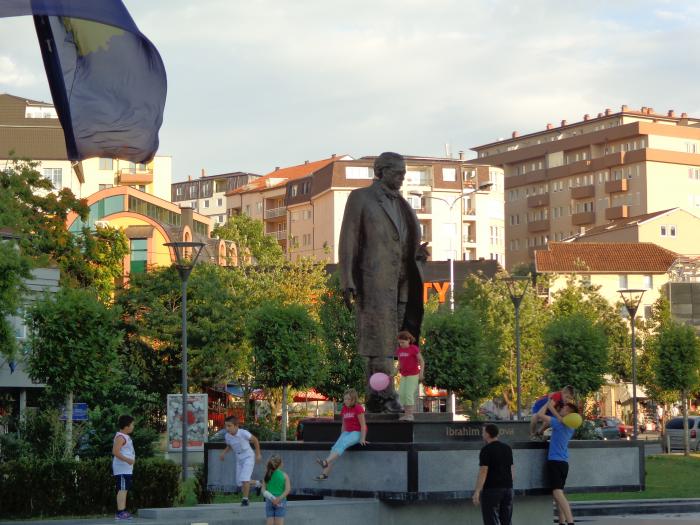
{"x": 390, "y": 168}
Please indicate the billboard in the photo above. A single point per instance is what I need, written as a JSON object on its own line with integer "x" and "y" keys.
{"x": 197, "y": 421}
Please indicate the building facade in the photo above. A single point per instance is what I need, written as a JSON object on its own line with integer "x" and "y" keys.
{"x": 207, "y": 194}
{"x": 576, "y": 176}
{"x": 30, "y": 129}
{"x": 611, "y": 266}
{"x": 459, "y": 206}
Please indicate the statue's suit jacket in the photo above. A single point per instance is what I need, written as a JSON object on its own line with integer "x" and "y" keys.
{"x": 370, "y": 262}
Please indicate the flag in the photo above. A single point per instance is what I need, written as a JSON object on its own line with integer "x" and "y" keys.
{"x": 107, "y": 79}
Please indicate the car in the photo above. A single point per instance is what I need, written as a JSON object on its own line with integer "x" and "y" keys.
{"x": 673, "y": 434}
{"x": 606, "y": 427}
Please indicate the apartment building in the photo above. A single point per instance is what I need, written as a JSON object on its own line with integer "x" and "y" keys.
{"x": 571, "y": 177}
{"x": 30, "y": 129}
{"x": 264, "y": 197}
{"x": 459, "y": 207}
{"x": 207, "y": 194}
{"x": 133, "y": 197}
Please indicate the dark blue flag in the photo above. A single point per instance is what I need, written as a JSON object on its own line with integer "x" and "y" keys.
{"x": 107, "y": 79}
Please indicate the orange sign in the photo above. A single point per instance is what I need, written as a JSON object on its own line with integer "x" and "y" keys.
{"x": 440, "y": 287}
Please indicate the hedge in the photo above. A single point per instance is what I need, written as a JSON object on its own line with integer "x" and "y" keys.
{"x": 35, "y": 488}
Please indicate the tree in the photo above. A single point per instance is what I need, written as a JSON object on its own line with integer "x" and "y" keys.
{"x": 343, "y": 367}
{"x": 37, "y": 216}
{"x": 461, "y": 354}
{"x": 73, "y": 343}
{"x": 576, "y": 353}
{"x": 678, "y": 351}
{"x": 491, "y": 299}
{"x": 249, "y": 236}
{"x": 13, "y": 268}
{"x": 285, "y": 342}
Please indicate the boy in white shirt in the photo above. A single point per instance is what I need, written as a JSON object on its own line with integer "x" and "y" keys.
{"x": 239, "y": 440}
{"x": 123, "y": 464}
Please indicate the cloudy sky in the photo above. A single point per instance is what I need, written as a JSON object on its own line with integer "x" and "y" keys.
{"x": 254, "y": 84}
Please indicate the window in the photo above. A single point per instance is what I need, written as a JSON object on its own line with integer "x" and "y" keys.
{"x": 359, "y": 172}
{"x": 193, "y": 205}
{"x": 219, "y": 202}
{"x": 141, "y": 187}
{"x": 139, "y": 255}
{"x": 415, "y": 202}
{"x": 417, "y": 177}
{"x": 259, "y": 206}
{"x": 622, "y": 281}
{"x": 106, "y": 164}
{"x": 295, "y": 190}
{"x": 663, "y": 230}
{"x": 648, "y": 282}
{"x": 247, "y": 210}
{"x": 104, "y": 186}
{"x": 55, "y": 175}
{"x": 671, "y": 231}
{"x": 178, "y": 191}
{"x": 206, "y": 203}
{"x": 647, "y": 311}
{"x": 221, "y": 219}
{"x": 449, "y": 174}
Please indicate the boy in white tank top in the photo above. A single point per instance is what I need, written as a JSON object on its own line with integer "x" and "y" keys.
{"x": 123, "y": 464}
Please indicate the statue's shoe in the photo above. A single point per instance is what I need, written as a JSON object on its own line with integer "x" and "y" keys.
{"x": 392, "y": 406}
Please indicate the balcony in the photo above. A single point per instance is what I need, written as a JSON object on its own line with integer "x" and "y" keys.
{"x": 129, "y": 176}
{"x": 615, "y": 186}
{"x": 538, "y": 226}
{"x": 468, "y": 239}
{"x": 617, "y": 212}
{"x": 273, "y": 213}
{"x": 583, "y": 192}
{"x": 538, "y": 201}
{"x": 586, "y": 217}
{"x": 280, "y": 235}
{"x": 470, "y": 212}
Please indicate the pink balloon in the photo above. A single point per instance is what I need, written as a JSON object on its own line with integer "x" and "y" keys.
{"x": 379, "y": 381}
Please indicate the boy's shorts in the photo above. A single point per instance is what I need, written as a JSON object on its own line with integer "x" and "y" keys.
{"x": 558, "y": 472}
{"x": 345, "y": 441}
{"x": 122, "y": 482}
{"x": 244, "y": 468}
{"x": 275, "y": 512}
{"x": 408, "y": 389}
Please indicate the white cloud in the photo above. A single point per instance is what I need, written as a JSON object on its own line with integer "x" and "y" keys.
{"x": 13, "y": 76}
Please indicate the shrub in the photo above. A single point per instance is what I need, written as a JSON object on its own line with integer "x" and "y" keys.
{"x": 204, "y": 495}
{"x": 50, "y": 487}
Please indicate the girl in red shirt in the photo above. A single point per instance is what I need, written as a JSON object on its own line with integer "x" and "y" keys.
{"x": 354, "y": 431}
{"x": 411, "y": 368}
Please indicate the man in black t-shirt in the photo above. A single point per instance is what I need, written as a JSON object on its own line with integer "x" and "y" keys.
{"x": 494, "y": 484}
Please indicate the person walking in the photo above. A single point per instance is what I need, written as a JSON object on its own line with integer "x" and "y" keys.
{"x": 494, "y": 483}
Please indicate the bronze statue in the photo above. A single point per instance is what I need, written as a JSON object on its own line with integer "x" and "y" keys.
{"x": 381, "y": 261}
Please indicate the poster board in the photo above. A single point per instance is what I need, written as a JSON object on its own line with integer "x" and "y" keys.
{"x": 197, "y": 421}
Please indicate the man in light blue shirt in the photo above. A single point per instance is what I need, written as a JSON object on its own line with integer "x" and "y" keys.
{"x": 558, "y": 459}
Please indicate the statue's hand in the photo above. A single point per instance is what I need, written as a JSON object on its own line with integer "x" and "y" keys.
{"x": 423, "y": 253}
{"x": 349, "y": 296}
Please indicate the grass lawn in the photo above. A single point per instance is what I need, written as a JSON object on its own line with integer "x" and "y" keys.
{"x": 667, "y": 476}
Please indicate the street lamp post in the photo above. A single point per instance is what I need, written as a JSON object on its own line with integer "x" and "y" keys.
{"x": 632, "y": 298}
{"x": 516, "y": 290}
{"x": 186, "y": 254}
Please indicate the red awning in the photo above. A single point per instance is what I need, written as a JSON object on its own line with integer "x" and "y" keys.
{"x": 309, "y": 395}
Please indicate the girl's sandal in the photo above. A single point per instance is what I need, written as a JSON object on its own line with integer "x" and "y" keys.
{"x": 321, "y": 477}
{"x": 322, "y": 462}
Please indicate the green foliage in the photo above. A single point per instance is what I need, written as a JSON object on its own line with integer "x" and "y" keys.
{"x": 31, "y": 488}
{"x": 285, "y": 342}
{"x": 461, "y": 353}
{"x": 343, "y": 367}
{"x": 37, "y": 216}
{"x": 576, "y": 353}
{"x": 97, "y": 436}
{"x": 678, "y": 357}
{"x": 249, "y": 236}
{"x": 39, "y": 434}
{"x": 13, "y": 268}
{"x": 73, "y": 341}
{"x": 491, "y": 299}
{"x": 203, "y": 494}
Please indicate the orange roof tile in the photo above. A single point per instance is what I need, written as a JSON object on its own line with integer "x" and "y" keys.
{"x": 269, "y": 180}
{"x": 604, "y": 257}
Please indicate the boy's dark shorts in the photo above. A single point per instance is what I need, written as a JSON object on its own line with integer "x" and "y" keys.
{"x": 558, "y": 471}
{"x": 122, "y": 482}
